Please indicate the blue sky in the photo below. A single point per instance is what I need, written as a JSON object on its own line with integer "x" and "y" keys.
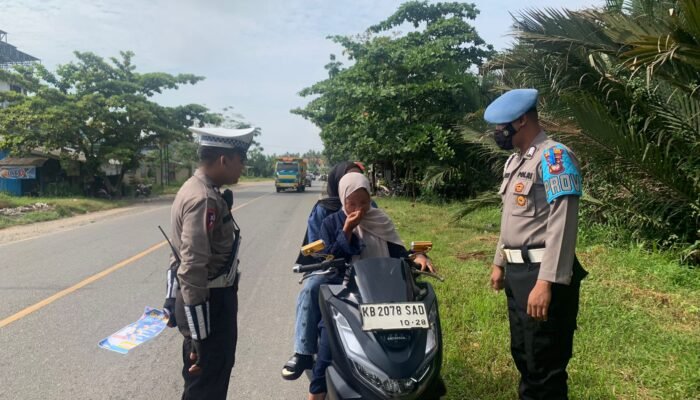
{"x": 256, "y": 54}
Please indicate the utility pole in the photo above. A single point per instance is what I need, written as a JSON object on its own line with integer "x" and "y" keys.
{"x": 160, "y": 149}
{"x": 167, "y": 164}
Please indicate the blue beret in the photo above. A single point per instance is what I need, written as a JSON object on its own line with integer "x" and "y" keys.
{"x": 510, "y": 106}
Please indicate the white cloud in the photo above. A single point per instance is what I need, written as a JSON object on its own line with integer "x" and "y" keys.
{"x": 256, "y": 54}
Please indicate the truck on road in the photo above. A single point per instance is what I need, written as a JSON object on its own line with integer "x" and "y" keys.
{"x": 290, "y": 173}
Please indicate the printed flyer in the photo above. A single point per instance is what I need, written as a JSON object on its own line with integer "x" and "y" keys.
{"x": 151, "y": 324}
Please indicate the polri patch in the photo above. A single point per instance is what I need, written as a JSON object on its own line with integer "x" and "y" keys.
{"x": 560, "y": 174}
{"x": 211, "y": 218}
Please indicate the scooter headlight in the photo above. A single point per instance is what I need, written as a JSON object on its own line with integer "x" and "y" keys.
{"x": 365, "y": 369}
{"x": 380, "y": 381}
{"x": 347, "y": 336}
{"x": 431, "y": 342}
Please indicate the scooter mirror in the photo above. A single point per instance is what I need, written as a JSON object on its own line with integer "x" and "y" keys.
{"x": 314, "y": 247}
{"x": 421, "y": 247}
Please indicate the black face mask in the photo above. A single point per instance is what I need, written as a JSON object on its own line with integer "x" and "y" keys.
{"x": 504, "y": 137}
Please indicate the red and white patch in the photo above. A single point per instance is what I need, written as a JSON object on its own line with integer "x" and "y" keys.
{"x": 211, "y": 218}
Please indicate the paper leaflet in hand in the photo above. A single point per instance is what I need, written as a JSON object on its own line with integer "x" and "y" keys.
{"x": 151, "y": 324}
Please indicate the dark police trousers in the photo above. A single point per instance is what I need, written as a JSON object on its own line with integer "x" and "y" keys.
{"x": 541, "y": 349}
{"x": 220, "y": 346}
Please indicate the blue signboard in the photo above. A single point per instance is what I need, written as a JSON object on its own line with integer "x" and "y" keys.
{"x": 18, "y": 172}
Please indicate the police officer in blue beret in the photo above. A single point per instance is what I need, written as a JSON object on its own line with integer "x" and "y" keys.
{"x": 535, "y": 258}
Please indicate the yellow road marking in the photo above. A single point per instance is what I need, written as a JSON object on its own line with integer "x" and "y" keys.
{"x": 93, "y": 278}
{"x": 78, "y": 285}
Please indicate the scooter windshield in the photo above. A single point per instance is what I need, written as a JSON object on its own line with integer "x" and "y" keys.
{"x": 383, "y": 280}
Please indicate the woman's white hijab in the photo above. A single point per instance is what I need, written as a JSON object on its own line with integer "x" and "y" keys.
{"x": 375, "y": 228}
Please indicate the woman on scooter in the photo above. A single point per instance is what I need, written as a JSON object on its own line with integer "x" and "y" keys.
{"x": 356, "y": 232}
{"x": 307, "y": 312}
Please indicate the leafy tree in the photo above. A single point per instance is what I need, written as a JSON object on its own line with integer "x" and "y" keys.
{"x": 260, "y": 164}
{"x": 403, "y": 94}
{"x": 102, "y": 110}
{"x": 315, "y": 159}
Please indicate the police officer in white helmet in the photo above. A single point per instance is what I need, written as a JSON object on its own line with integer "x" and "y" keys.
{"x": 202, "y": 291}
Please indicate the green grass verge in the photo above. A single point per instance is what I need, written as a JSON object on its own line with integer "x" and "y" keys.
{"x": 173, "y": 188}
{"x": 639, "y": 322}
{"x": 158, "y": 190}
{"x": 244, "y": 179}
{"x": 62, "y": 207}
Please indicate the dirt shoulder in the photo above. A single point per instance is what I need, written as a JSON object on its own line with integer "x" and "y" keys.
{"x": 32, "y": 230}
{"x": 29, "y": 231}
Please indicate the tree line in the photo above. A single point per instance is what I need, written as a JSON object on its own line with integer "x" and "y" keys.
{"x": 95, "y": 111}
{"x": 618, "y": 84}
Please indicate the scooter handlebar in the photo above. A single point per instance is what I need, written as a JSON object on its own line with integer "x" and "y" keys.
{"x": 302, "y": 269}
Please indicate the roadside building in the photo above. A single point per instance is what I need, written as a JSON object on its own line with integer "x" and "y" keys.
{"x": 20, "y": 175}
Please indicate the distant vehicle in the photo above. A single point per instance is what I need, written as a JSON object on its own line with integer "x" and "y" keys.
{"x": 103, "y": 193}
{"x": 308, "y": 180}
{"x": 143, "y": 190}
{"x": 290, "y": 173}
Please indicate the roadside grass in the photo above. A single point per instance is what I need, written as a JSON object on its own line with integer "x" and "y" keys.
{"x": 61, "y": 208}
{"x": 174, "y": 187}
{"x": 255, "y": 179}
{"x": 639, "y": 319}
{"x": 158, "y": 190}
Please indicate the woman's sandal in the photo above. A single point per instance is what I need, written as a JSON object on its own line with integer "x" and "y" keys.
{"x": 296, "y": 366}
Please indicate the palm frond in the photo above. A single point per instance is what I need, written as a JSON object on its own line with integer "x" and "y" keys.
{"x": 486, "y": 199}
{"x": 436, "y": 176}
{"x": 690, "y": 18}
{"x": 620, "y": 85}
{"x": 642, "y": 178}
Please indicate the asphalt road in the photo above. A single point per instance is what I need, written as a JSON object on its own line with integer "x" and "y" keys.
{"x": 52, "y": 352}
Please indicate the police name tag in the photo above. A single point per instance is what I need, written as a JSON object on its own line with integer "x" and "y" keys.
{"x": 390, "y": 316}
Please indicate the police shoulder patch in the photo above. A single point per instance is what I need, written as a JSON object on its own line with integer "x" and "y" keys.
{"x": 560, "y": 174}
{"x": 211, "y": 218}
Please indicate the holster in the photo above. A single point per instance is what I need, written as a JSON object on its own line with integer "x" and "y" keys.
{"x": 226, "y": 276}
{"x": 579, "y": 273}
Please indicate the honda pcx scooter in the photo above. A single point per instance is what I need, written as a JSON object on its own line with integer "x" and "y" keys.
{"x": 383, "y": 327}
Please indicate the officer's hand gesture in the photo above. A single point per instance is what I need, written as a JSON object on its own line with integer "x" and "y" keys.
{"x": 539, "y": 299}
{"x": 497, "y": 277}
{"x": 197, "y": 356}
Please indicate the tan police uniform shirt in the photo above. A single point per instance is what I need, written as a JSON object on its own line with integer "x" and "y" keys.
{"x": 529, "y": 219}
{"x": 200, "y": 235}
